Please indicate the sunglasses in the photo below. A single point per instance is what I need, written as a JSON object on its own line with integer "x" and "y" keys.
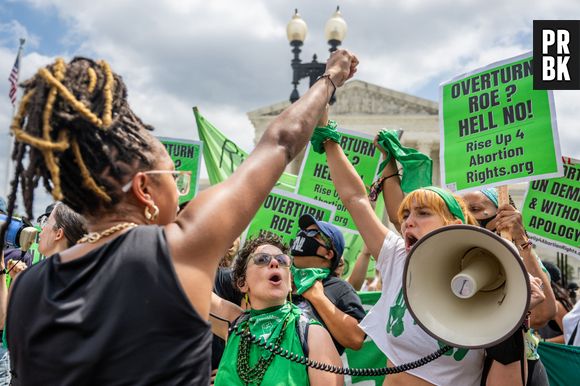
{"x": 313, "y": 232}
{"x": 264, "y": 259}
{"x": 182, "y": 180}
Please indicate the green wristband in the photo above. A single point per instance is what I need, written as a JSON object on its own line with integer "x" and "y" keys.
{"x": 323, "y": 134}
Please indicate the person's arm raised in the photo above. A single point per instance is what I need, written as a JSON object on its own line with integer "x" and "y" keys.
{"x": 392, "y": 193}
{"x": 353, "y": 195}
{"x": 210, "y": 222}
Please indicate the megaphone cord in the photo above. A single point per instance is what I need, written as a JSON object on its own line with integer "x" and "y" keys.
{"x": 277, "y": 350}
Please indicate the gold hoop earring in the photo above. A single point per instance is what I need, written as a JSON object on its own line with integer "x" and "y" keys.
{"x": 290, "y": 296}
{"x": 151, "y": 217}
{"x": 247, "y": 299}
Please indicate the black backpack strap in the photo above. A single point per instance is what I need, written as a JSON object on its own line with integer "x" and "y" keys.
{"x": 302, "y": 326}
{"x": 571, "y": 340}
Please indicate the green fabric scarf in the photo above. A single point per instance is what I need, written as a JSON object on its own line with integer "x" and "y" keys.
{"x": 268, "y": 324}
{"x": 304, "y": 278}
{"x": 322, "y": 134}
{"x": 450, "y": 201}
{"x": 417, "y": 167}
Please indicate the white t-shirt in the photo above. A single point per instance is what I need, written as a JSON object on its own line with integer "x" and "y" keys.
{"x": 570, "y": 321}
{"x": 391, "y": 327}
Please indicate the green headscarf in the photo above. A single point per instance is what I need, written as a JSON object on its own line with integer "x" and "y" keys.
{"x": 417, "y": 167}
{"x": 450, "y": 201}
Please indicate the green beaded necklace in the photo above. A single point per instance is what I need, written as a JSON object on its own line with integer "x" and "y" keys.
{"x": 255, "y": 374}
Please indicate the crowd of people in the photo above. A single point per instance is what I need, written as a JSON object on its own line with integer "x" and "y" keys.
{"x": 135, "y": 289}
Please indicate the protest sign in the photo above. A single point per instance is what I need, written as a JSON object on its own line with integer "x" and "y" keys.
{"x": 281, "y": 210}
{"x": 551, "y": 211}
{"x": 314, "y": 178}
{"x": 186, "y": 155}
{"x": 496, "y": 129}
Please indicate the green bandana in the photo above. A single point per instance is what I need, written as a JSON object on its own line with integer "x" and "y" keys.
{"x": 322, "y": 134}
{"x": 244, "y": 363}
{"x": 450, "y": 201}
{"x": 417, "y": 167}
{"x": 304, "y": 278}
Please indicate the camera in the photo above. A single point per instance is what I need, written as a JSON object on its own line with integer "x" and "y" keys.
{"x": 19, "y": 234}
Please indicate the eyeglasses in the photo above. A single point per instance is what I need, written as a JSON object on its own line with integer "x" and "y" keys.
{"x": 182, "y": 180}
{"x": 42, "y": 221}
{"x": 263, "y": 259}
{"x": 313, "y": 233}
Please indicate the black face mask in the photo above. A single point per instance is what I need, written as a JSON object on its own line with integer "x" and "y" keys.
{"x": 484, "y": 221}
{"x": 306, "y": 246}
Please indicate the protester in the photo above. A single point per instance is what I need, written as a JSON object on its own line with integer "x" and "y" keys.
{"x": 484, "y": 205}
{"x": 317, "y": 250}
{"x": 130, "y": 303}
{"x": 395, "y": 332}
{"x": 61, "y": 229}
{"x": 262, "y": 273}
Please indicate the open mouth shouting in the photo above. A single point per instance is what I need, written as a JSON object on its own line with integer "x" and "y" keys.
{"x": 275, "y": 279}
{"x": 410, "y": 240}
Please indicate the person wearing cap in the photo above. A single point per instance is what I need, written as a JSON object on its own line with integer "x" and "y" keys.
{"x": 317, "y": 251}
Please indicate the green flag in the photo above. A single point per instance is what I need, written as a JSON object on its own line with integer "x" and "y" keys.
{"x": 222, "y": 156}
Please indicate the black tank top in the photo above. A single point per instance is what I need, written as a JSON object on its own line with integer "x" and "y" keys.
{"x": 116, "y": 316}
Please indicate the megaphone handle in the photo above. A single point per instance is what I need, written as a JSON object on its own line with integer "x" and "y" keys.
{"x": 503, "y": 199}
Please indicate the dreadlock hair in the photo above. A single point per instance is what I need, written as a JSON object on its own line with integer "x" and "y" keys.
{"x": 76, "y": 131}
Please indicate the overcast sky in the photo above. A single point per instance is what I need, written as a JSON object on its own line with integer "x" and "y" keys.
{"x": 231, "y": 57}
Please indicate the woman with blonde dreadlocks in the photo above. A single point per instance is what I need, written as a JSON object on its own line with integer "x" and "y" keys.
{"x": 129, "y": 303}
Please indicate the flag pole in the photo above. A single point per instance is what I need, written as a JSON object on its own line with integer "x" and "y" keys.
{"x": 13, "y": 78}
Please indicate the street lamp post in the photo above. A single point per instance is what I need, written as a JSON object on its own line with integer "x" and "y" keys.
{"x": 296, "y": 30}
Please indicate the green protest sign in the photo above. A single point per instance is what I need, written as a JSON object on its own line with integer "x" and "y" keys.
{"x": 186, "y": 155}
{"x": 551, "y": 210}
{"x": 281, "y": 210}
{"x": 496, "y": 129}
{"x": 314, "y": 178}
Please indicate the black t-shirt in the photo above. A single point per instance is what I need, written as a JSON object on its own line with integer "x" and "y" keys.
{"x": 225, "y": 288}
{"x": 338, "y": 291}
{"x": 116, "y": 316}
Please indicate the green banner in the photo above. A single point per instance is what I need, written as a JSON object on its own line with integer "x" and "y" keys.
{"x": 186, "y": 155}
{"x": 281, "y": 210}
{"x": 314, "y": 179}
{"x": 551, "y": 210}
{"x": 222, "y": 156}
{"x": 496, "y": 129}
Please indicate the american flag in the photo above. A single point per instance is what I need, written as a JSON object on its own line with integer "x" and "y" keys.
{"x": 13, "y": 78}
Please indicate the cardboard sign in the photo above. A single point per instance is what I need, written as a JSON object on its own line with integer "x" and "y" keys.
{"x": 314, "y": 178}
{"x": 186, "y": 155}
{"x": 281, "y": 210}
{"x": 496, "y": 129}
{"x": 551, "y": 211}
